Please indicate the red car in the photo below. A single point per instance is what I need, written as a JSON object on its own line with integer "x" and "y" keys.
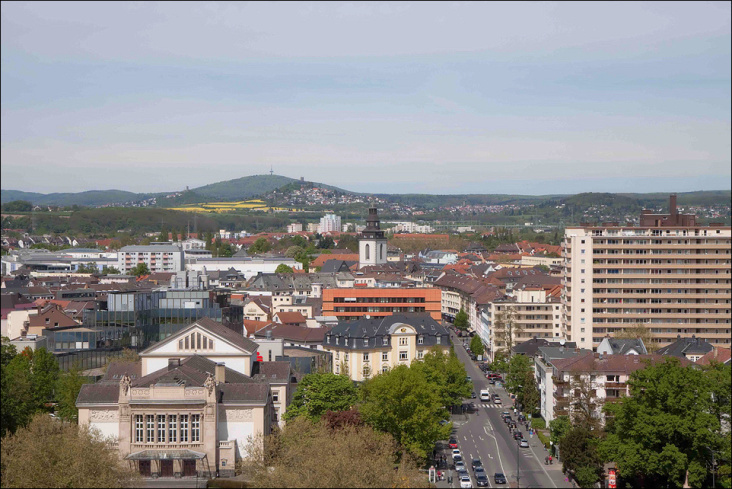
{"x": 453, "y": 443}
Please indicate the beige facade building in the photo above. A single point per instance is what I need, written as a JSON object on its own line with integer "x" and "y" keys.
{"x": 671, "y": 275}
{"x": 366, "y": 347}
{"x": 192, "y": 404}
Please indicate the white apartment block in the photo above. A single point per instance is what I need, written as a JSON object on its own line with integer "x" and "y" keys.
{"x": 158, "y": 258}
{"x": 534, "y": 315}
{"x": 295, "y": 227}
{"x": 674, "y": 280}
{"x": 330, "y": 223}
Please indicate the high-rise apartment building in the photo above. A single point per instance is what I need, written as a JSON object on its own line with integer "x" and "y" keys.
{"x": 330, "y": 223}
{"x": 670, "y": 275}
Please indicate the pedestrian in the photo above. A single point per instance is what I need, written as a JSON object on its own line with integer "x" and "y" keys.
{"x": 550, "y": 459}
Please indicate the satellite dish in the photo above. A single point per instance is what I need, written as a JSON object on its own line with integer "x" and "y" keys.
{"x": 561, "y": 342}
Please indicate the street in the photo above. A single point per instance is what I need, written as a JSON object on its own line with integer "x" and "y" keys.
{"x": 484, "y": 435}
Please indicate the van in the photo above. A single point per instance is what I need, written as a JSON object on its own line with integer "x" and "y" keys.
{"x": 485, "y": 395}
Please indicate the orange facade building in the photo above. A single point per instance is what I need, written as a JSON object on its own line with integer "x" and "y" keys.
{"x": 355, "y": 303}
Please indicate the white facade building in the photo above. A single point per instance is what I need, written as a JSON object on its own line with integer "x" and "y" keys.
{"x": 158, "y": 258}
{"x": 330, "y": 223}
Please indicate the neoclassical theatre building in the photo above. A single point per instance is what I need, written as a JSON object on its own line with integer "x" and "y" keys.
{"x": 191, "y": 405}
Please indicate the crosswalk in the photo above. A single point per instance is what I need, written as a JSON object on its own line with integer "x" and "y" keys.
{"x": 492, "y": 405}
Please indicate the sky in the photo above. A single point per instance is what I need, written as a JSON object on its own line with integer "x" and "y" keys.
{"x": 441, "y": 98}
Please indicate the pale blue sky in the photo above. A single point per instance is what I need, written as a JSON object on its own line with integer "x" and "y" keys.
{"x": 531, "y": 98}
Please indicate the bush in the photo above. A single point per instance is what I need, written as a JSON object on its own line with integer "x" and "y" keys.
{"x": 538, "y": 423}
{"x": 544, "y": 439}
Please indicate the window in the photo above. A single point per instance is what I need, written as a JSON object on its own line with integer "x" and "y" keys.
{"x": 367, "y": 249}
{"x": 195, "y": 427}
{"x": 384, "y": 369}
{"x": 420, "y": 340}
{"x": 438, "y": 339}
{"x": 150, "y": 429}
{"x": 403, "y": 341}
{"x": 275, "y": 396}
{"x": 172, "y": 429}
{"x": 384, "y": 357}
{"x": 365, "y": 357}
{"x": 420, "y": 354}
{"x": 403, "y": 355}
{"x": 386, "y": 341}
{"x": 139, "y": 429}
{"x": 366, "y": 371}
{"x": 161, "y": 428}
{"x": 184, "y": 428}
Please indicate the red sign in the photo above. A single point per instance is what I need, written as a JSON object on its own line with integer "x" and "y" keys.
{"x": 611, "y": 479}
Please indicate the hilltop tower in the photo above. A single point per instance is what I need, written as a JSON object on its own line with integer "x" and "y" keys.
{"x": 372, "y": 242}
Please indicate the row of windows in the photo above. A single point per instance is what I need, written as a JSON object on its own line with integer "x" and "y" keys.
{"x": 378, "y": 309}
{"x": 378, "y": 299}
{"x": 403, "y": 340}
{"x": 171, "y": 428}
{"x": 196, "y": 341}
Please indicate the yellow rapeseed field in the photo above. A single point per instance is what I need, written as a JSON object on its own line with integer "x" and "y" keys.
{"x": 227, "y": 206}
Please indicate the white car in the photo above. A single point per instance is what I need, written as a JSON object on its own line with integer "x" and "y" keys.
{"x": 465, "y": 482}
{"x": 456, "y": 453}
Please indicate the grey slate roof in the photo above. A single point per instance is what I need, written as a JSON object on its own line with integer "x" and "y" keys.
{"x": 333, "y": 266}
{"x": 351, "y": 334}
{"x": 531, "y": 347}
{"x": 276, "y": 372}
{"x": 101, "y": 393}
{"x": 686, "y": 346}
{"x": 250, "y": 393}
{"x": 621, "y": 346}
{"x": 301, "y": 281}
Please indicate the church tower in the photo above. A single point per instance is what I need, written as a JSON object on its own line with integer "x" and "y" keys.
{"x": 372, "y": 243}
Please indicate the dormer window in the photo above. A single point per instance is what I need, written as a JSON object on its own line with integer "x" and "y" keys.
{"x": 386, "y": 341}
{"x": 365, "y": 342}
{"x": 420, "y": 340}
{"x": 438, "y": 339}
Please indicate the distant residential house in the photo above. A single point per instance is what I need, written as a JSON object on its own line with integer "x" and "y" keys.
{"x": 690, "y": 348}
{"x": 718, "y": 355}
{"x": 617, "y": 346}
{"x": 290, "y": 318}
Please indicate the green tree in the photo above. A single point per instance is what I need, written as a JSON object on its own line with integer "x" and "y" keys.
{"x": 519, "y": 367}
{"x": 318, "y": 393}
{"x": 580, "y": 455}
{"x": 16, "y": 396}
{"x": 500, "y": 362}
{"x": 282, "y": 268}
{"x": 8, "y": 351}
{"x": 315, "y": 454}
{"x": 506, "y": 328}
{"x": 175, "y": 236}
{"x": 558, "y": 428}
{"x": 164, "y": 234}
{"x": 71, "y": 456}
{"x": 476, "y": 345}
{"x": 140, "y": 269}
{"x": 261, "y": 245}
{"x": 110, "y": 271}
{"x": 298, "y": 240}
{"x": 67, "y": 390}
{"x": 44, "y": 376}
{"x": 461, "y": 320}
{"x": 447, "y": 374}
{"x": 348, "y": 242}
{"x": 668, "y": 426}
{"x": 530, "y": 398}
{"x": 18, "y": 206}
{"x": 293, "y": 251}
{"x": 404, "y": 404}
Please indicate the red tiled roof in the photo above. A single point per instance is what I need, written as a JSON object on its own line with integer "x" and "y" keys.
{"x": 290, "y": 317}
{"x": 719, "y": 354}
{"x": 252, "y": 327}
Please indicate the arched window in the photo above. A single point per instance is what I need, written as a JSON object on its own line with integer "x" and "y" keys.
{"x": 381, "y": 250}
{"x": 368, "y": 252}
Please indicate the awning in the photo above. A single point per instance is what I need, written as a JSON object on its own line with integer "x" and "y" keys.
{"x": 166, "y": 455}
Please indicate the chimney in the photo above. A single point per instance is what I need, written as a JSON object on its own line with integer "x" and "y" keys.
{"x": 220, "y": 373}
{"x": 173, "y": 363}
{"x": 672, "y": 205}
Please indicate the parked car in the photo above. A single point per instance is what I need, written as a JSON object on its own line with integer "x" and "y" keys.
{"x": 517, "y": 435}
{"x": 481, "y": 480}
{"x": 473, "y": 395}
{"x": 476, "y": 463}
{"x": 460, "y": 465}
{"x": 456, "y": 453}
{"x": 496, "y": 399}
{"x": 508, "y": 419}
{"x": 499, "y": 478}
{"x": 524, "y": 443}
{"x": 469, "y": 378}
{"x": 505, "y": 414}
{"x": 452, "y": 442}
{"x": 465, "y": 482}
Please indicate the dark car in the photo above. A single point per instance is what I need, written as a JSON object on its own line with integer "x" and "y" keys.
{"x": 452, "y": 443}
{"x": 476, "y": 463}
{"x": 499, "y": 478}
{"x": 492, "y": 382}
{"x": 517, "y": 435}
{"x": 473, "y": 395}
{"x": 481, "y": 480}
{"x": 508, "y": 420}
{"x": 472, "y": 408}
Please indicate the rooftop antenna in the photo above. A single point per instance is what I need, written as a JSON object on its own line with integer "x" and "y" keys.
{"x": 271, "y": 171}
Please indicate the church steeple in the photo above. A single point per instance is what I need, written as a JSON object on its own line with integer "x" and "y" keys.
{"x": 372, "y": 242}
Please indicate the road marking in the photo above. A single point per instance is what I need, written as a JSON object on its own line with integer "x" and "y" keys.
{"x": 542, "y": 467}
